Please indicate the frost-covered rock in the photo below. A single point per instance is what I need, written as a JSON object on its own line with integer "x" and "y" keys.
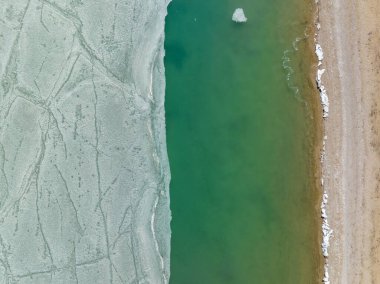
{"x": 239, "y": 16}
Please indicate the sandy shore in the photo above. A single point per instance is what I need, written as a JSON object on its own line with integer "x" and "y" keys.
{"x": 350, "y": 38}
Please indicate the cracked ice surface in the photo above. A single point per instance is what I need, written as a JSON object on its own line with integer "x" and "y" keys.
{"x": 83, "y": 166}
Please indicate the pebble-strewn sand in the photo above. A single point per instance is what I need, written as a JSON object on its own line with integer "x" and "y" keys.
{"x": 350, "y": 36}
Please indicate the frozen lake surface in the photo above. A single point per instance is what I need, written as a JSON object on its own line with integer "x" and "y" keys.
{"x": 83, "y": 167}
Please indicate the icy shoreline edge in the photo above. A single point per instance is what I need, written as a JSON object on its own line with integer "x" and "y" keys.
{"x": 326, "y": 230}
{"x": 161, "y": 214}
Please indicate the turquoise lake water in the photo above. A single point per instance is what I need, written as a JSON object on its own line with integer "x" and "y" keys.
{"x": 240, "y": 143}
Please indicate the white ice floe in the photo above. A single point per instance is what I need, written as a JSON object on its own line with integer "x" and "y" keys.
{"x": 324, "y": 101}
{"x": 326, "y": 230}
{"x": 239, "y": 16}
{"x": 319, "y": 77}
{"x": 326, "y": 278}
{"x": 322, "y": 90}
{"x": 319, "y": 52}
{"x": 323, "y": 93}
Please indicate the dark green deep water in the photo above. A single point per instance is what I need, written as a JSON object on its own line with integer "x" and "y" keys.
{"x": 239, "y": 140}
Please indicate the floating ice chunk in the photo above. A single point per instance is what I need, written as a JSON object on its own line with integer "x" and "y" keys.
{"x": 239, "y": 16}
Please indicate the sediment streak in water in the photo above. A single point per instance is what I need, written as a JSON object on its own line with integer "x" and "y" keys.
{"x": 83, "y": 166}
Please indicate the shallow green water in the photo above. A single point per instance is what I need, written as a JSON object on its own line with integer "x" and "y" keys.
{"x": 239, "y": 143}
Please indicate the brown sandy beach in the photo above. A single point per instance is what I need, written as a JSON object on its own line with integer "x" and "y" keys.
{"x": 350, "y": 37}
